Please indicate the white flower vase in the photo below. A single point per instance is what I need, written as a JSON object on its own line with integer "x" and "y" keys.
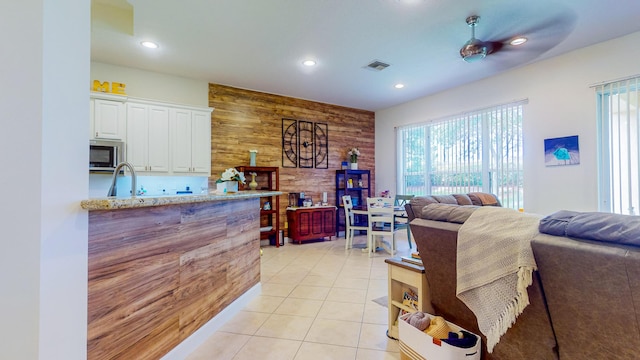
{"x": 354, "y": 166}
{"x": 232, "y": 186}
{"x": 227, "y": 187}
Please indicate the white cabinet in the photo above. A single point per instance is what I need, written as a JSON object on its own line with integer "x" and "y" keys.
{"x": 160, "y": 138}
{"x": 148, "y": 137}
{"x": 191, "y": 141}
{"x": 107, "y": 120}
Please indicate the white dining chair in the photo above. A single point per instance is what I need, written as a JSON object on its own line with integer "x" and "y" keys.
{"x": 402, "y": 220}
{"x": 349, "y": 221}
{"x": 381, "y": 224}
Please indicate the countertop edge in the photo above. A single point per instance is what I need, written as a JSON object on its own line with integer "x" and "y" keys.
{"x": 117, "y": 203}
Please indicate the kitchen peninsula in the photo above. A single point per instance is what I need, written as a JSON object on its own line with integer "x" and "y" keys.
{"x": 161, "y": 267}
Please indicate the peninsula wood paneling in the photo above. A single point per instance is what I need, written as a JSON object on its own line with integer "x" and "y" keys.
{"x": 244, "y": 120}
{"x": 158, "y": 274}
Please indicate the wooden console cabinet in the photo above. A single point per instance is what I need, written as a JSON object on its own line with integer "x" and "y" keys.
{"x": 308, "y": 223}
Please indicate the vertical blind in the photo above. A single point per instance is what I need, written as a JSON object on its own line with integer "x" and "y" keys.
{"x": 474, "y": 151}
{"x": 618, "y": 138}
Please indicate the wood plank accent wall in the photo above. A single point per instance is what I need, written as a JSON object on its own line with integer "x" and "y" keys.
{"x": 244, "y": 120}
{"x": 157, "y": 274}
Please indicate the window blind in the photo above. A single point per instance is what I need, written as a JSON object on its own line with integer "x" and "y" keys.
{"x": 473, "y": 151}
{"x": 618, "y": 138}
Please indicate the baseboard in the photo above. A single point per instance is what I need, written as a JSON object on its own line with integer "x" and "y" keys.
{"x": 190, "y": 344}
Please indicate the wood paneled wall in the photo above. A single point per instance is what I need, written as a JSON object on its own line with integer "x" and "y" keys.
{"x": 244, "y": 120}
{"x": 157, "y": 274}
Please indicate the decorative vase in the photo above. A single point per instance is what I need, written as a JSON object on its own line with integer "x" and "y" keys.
{"x": 354, "y": 166}
{"x": 252, "y": 154}
{"x": 253, "y": 184}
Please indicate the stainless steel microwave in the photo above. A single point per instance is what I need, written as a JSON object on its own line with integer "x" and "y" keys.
{"x": 105, "y": 155}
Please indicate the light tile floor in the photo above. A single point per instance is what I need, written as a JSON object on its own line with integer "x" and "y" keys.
{"x": 316, "y": 303}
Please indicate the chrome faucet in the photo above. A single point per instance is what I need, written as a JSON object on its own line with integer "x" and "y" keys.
{"x": 112, "y": 190}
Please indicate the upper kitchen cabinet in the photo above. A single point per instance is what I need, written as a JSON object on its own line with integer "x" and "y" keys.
{"x": 107, "y": 117}
{"x": 190, "y": 141}
{"x": 148, "y": 137}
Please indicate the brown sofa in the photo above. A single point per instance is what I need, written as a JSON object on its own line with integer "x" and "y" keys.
{"x": 589, "y": 264}
{"x": 582, "y": 299}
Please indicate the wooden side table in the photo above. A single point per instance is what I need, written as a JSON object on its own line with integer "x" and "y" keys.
{"x": 402, "y": 277}
{"x": 307, "y": 223}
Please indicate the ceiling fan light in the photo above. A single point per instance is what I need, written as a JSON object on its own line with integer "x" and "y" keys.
{"x": 518, "y": 41}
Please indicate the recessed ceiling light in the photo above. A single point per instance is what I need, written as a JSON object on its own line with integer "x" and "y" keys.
{"x": 149, "y": 44}
{"x": 309, "y": 62}
{"x": 518, "y": 41}
{"x": 398, "y": 86}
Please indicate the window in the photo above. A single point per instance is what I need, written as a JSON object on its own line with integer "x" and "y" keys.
{"x": 476, "y": 151}
{"x": 618, "y": 138}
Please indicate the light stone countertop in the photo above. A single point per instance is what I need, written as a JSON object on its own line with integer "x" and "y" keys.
{"x": 128, "y": 202}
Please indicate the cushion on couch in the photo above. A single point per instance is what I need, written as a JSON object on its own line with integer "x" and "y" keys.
{"x": 556, "y": 223}
{"x": 484, "y": 199}
{"x": 448, "y": 212}
{"x": 598, "y": 226}
{"x": 417, "y": 203}
{"x": 445, "y": 199}
{"x": 463, "y": 199}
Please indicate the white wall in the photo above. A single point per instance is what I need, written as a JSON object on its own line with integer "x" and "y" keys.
{"x": 154, "y": 86}
{"x": 43, "y": 262}
{"x": 561, "y": 103}
{"x": 20, "y": 215}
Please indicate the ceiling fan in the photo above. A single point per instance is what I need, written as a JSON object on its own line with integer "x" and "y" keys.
{"x": 545, "y": 34}
{"x": 474, "y": 49}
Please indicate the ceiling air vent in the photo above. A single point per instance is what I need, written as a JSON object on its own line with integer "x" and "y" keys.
{"x": 377, "y": 65}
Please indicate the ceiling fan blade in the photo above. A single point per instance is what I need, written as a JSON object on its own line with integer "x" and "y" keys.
{"x": 541, "y": 36}
{"x": 493, "y": 46}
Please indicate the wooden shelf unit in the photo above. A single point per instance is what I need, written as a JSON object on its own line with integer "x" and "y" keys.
{"x": 358, "y": 194}
{"x": 268, "y": 178}
{"x": 403, "y": 276}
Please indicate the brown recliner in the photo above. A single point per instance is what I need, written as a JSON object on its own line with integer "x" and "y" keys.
{"x": 590, "y": 271}
{"x": 530, "y": 338}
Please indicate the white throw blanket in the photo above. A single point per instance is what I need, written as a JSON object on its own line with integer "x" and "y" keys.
{"x": 494, "y": 267}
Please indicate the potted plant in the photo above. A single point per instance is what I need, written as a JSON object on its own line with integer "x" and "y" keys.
{"x": 353, "y": 157}
{"x": 228, "y": 181}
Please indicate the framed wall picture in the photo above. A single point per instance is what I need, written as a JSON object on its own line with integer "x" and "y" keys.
{"x": 305, "y": 144}
{"x": 561, "y": 151}
{"x": 321, "y": 145}
{"x": 289, "y": 143}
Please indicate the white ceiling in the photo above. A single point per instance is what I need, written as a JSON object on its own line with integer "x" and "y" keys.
{"x": 260, "y": 44}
